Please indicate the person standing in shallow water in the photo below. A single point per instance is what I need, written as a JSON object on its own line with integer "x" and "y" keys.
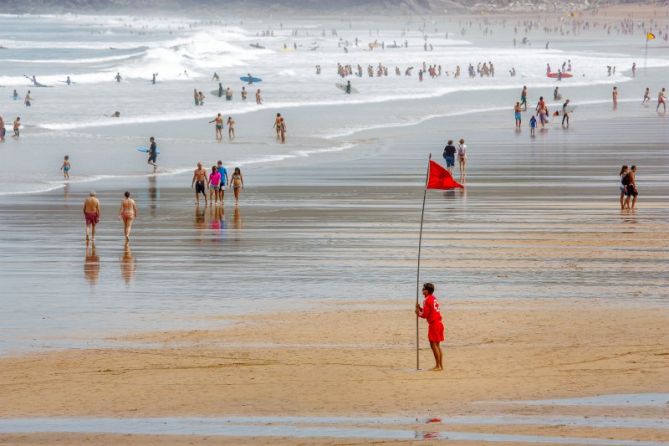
{"x": 237, "y": 184}
{"x": 92, "y": 215}
{"x": 127, "y": 213}
{"x": 624, "y": 171}
{"x": 430, "y": 311}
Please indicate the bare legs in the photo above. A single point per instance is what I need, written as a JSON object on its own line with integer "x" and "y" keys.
{"x": 90, "y": 232}
{"x": 436, "y": 351}
{"x": 127, "y": 227}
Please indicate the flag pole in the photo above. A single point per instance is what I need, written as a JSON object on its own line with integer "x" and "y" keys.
{"x": 420, "y": 241}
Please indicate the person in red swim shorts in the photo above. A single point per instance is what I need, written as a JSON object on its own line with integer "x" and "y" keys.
{"x": 435, "y": 332}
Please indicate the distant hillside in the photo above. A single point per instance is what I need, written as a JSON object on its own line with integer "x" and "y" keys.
{"x": 344, "y": 7}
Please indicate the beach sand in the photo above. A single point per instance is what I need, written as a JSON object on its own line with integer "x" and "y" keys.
{"x": 358, "y": 358}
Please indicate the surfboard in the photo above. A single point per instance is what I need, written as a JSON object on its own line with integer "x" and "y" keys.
{"x": 146, "y": 150}
{"x": 555, "y": 75}
{"x": 570, "y": 108}
{"x": 251, "y": 79}
{"x": 257, "y": 46}
{"x": 342, "y": 87}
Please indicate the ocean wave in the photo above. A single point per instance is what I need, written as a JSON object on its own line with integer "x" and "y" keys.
{"x": 91, "y": 60}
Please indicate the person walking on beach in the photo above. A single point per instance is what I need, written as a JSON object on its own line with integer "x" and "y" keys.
{"x": 153, "y": 153}
{"x": 449, "y": 155}
{"x": 517, "y": 113}
{"x": 200, "y": 183}
{"x": 523, "y": 98}
{"x": 462, "y": 158}
{"x": 533, "y": 126}
{"x": 631, "y": 192}
{"x": 214, "y": 185}
{"x": 646, "y": 96}
{"x": 430, "y": 311}
{"x": 219, "y": 126}
{"x": 661, "y": 100}
{"x": 65, "y": 167}
{"x": 565, "y": 114}
{"x": 624, "y": 180}
{"x": 17, "y": 127}
{"x": 614, "y": 97}
{"x": 231, "y": 128}
{"x": 282, "y": 130}
{"x": 92, "y": 215}
{"x": 237, "y": 184}
{"x": 127, "y": 213}
{"x": 224, "y": 179}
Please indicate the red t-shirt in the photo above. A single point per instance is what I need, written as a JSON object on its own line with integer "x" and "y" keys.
{"x": 431, "y": 310}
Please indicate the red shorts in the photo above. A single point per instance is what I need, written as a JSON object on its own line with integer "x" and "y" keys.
{"x": 91, "y": 218}
{"x": 435, "y": 332}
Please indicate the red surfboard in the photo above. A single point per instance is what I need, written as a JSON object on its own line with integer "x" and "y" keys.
{"x": 556, "y": 75}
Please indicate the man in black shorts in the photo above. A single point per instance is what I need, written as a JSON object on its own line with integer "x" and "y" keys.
{"x": 449, "y": 155}
{"x": 153, "y": 153}
{"x": 200, "y": 181}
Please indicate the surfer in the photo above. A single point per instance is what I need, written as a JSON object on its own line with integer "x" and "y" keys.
{"x": 244, "y": 93}
{"x": 127, "y": 212}
{"x": 250, "y": 78}
{"x": 219, "y": 126}
{"x": 118, "y": 77}
{"x": 258, "y": 97}
{"x": 116, "y": 114}
{"x": 231, "y": 128}
{"x": 27, "y": 100}
{"x": 17, "y": 127}
{"x": 661, "y": 100}
{"x": 65, "y": 167}
{"x": 199, "y": 181}
{"x": 153, "y": 153}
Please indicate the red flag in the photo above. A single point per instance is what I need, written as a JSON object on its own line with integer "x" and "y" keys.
{"x": 441, "y": 178}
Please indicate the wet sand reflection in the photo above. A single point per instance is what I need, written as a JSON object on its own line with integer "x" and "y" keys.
{"x": 128, "y": 264}
{"x": 91, "y": 265}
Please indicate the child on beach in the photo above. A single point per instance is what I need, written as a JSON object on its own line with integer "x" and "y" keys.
{"x": 17, "y": 126}
{"x": 231, "y": 128}
{"x": 435, "y": 333}
{"x": 214, "y": 185}
{"x": 533, "y": 125}
{"x": 237, "y": 184}
{"x": 517, "y": 112}
{"x": 66, "y": 167}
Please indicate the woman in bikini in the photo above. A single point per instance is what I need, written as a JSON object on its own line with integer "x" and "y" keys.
{"x": 127, "y": 213}
{"x": 623, "y": 184}
{"x": 237, "y": 184}
{"x": 462, "y": 158}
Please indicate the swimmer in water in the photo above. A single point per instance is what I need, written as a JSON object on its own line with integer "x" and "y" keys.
{"x": 118, "y": 77}
{"x": 244, "y": 93}
{"x": 258, "y": 97}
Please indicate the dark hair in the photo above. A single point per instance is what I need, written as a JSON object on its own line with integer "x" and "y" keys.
{"x": 429, "y": 287}
{"x": 633, "y": 168}
{"x": 237, "y": 170}
{"x": 623, "y": 169}
{"x": 151, "y": 139}
{"x": 450, "y": 141}
{"x": 127, "y": 194}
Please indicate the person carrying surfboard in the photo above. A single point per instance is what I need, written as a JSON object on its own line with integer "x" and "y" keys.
{"x": 153, "y": 153}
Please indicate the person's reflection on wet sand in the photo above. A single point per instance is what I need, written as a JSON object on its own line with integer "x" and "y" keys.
{"x": 200, "y": 221}
{"x": 91, "y": 265}
{"x": 127, "y": 264}
{"x": 237, "y": 218}
{"x": 66, "y": 194}
{"x": 153, "y": 195}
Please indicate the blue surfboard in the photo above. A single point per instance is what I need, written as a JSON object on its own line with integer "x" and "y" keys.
{"x": 145, "y": 150}
{"x": 251, "y": 79}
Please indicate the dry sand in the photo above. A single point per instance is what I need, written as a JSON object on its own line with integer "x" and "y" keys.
{"x": 348, "y": 359}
